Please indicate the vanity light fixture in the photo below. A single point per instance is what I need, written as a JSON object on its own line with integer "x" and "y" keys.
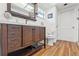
{"x": 65, "y": 4}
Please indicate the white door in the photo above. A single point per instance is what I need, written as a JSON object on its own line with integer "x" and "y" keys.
{"x": 66, "y": 25}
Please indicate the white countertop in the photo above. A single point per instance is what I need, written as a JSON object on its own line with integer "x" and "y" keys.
{"x": 22, "y": 24}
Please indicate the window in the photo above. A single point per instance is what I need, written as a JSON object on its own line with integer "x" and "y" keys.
{"x": 40, "y": 13}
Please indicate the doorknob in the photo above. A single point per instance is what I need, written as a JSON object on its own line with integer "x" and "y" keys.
{"x": 77, "y": 18}
{"x": 73, "y": 27}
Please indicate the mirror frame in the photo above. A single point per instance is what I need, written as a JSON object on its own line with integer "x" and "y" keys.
{"x": 16, "y": 14}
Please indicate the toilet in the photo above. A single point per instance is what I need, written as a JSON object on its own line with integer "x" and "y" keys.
{"x": 51, "y": 39}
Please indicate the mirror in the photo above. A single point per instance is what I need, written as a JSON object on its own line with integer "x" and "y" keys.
{"x": 23, "y": 10}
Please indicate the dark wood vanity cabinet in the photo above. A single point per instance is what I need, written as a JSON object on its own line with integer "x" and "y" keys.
{"x": 32, "y": 34}
{"x": 15, "y": 37}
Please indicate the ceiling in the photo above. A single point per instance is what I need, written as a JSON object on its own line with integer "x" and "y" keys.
{"x": 47, "y": 6}
{"x": 61, "y": 6}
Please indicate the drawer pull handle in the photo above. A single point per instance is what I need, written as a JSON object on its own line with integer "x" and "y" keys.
{"x": 13, "y": 39}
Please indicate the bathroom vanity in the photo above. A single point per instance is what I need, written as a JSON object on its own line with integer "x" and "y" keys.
{"x": 16, "y": 37}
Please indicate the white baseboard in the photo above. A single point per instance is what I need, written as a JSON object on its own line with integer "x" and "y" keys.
{"x": 67, "y": 40}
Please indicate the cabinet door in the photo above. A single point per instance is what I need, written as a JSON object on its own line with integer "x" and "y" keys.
{"x": 37, "y": 36}
{"x": 27, "y": 36}
{"x": 14, "y": 37}
{"x": 42, "y": 33}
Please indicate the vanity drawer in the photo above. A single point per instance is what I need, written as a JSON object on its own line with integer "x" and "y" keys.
{"x": 14, "y": 37}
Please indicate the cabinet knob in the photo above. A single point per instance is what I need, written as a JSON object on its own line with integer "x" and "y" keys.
{"x": 33, "y": 29}
{"x": 13, "y": 39}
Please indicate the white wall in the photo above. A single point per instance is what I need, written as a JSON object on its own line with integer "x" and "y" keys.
{"x": 60, "y": 37}
{"x": 51, "y": 23}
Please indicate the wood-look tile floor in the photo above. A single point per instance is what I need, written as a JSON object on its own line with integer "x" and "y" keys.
{"x": 60, "y": 48}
